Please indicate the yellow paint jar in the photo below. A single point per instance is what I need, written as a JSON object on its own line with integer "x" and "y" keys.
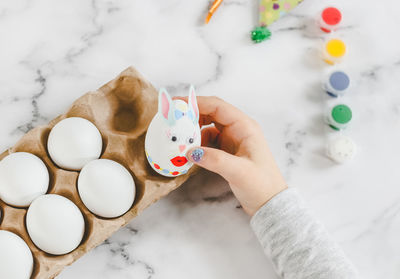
{"x": 334, "y": 51}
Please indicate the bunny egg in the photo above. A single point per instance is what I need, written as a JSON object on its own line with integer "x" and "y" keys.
{"x": 172, "y": 132}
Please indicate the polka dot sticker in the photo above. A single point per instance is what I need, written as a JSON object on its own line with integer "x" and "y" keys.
{"x": 272, "y": 10}
{"x": 166, "y": 171}
{"x": 287, "y": 6}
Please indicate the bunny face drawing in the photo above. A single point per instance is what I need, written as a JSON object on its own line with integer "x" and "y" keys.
{"x": 172, "y": 132}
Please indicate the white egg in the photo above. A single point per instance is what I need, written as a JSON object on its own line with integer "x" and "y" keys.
{"x": 23, "y": 177}
{"x": 106, "y": 188}
{"x": 16, "y": 261}
{"x": 55, "y": 224}
{"x": 73, "y": 142}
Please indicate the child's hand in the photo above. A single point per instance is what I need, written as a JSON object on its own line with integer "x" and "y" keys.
{"x": 243, "y": 157}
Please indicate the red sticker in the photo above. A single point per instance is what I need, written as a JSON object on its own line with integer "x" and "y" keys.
{"x": 179, "y": 161}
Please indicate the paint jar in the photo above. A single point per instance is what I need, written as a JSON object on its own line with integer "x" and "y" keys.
{"x": 337, "y": 84}
{"x": 341, "y": 149}
{"x": 330, "y": 19}
{"x": 334, "y": 50}
{"x": 339, "y": 116}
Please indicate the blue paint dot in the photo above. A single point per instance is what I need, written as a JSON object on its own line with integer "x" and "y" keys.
{"x": 339, "y": 81}
{"x": 190, "y": 115}
{"x": 178, "y": 114}
{"x": 165, "y": 171}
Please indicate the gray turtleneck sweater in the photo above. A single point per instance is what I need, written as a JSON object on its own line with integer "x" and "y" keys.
{"x": 298, "y": 245}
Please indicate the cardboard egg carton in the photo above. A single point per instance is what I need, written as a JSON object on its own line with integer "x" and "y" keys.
{"x": 122, "y": 110}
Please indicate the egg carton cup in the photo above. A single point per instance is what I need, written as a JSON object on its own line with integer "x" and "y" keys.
{"x": 122, "y": 109}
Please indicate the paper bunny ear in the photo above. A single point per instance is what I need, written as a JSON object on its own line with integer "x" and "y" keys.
{"x": 166, "y": 107}
{"x": 192, "y": 102}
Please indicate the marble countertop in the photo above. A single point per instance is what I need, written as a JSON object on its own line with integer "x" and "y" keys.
{"x": 52, "y": 52}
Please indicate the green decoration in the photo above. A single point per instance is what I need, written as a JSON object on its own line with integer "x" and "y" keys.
{"x": 260, "y": 34}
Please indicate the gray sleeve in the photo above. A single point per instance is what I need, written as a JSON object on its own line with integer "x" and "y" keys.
{"x": 298, "y": 245}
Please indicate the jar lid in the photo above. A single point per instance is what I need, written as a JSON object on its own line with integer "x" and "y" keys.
{"x": 341, "y": 149}
{"x": 341, "y": 114}
{"x": 336, "y": 48}
{"x": 331, "y": 16}
{"x": 339, "y": 81}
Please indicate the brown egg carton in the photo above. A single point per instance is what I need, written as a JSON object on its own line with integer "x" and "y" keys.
{"x": 122, "y": 110}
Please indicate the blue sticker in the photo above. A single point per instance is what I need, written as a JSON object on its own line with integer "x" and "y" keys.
{"x": 190, "y": 114}
{"x": 178, "y": 114}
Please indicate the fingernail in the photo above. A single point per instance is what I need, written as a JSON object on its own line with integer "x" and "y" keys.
{"x": 197, "y": 154}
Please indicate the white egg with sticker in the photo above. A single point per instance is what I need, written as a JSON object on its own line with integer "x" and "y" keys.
{"x": 172, "y": 132}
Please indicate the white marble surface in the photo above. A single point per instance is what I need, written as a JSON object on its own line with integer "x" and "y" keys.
{"x": 51, "y": 52}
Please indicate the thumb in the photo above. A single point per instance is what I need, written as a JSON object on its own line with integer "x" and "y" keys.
{"x": 229, "y": 166}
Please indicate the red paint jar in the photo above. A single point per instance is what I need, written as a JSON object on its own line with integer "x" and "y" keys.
{"x": 330, "y": 19}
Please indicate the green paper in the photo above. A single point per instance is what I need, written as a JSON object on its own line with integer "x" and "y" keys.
{"x": 272, "y": 10}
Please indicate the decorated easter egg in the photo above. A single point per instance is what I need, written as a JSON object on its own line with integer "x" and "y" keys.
{"x": 172, "y": 132}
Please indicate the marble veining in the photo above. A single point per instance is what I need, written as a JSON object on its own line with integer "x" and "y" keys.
{"x": 36, "y": 116}
{"x": 52, "y": 52}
